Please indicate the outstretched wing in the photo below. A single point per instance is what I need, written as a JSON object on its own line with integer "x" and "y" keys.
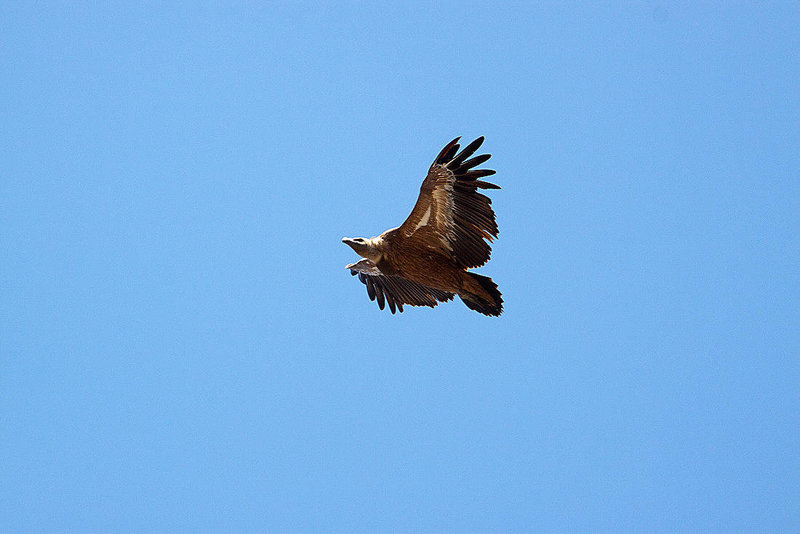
{"x": 395, "y": 290}
{"x": 450, "y": 213}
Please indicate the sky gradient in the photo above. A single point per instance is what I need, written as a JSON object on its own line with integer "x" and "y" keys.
{"x": 181, "y": 348}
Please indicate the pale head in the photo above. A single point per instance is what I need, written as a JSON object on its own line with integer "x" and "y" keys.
{"x": 365, "y": 247}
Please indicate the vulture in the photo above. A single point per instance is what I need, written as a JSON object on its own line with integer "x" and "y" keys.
{"x": 426, "y": 259}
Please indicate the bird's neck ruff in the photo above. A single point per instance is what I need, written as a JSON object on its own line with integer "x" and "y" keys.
{"x": 373, "y": 250}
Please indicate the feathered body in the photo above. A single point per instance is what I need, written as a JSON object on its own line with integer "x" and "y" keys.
{"x": 425, "y": 260}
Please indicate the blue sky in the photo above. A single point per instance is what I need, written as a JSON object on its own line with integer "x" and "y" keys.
{"x": 181, "y": 348}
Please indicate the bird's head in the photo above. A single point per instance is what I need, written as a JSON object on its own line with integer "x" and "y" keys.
{"x": 364, "y": 247}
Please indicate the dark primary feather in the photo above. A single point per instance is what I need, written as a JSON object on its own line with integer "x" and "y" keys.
{"x": 469, "y": 150}
{"x": 477, "y": 160}
{"x": 480, "y": 173}
{"x": 448, "y": 151}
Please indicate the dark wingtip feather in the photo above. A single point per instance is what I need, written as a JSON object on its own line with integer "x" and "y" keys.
{"x": 475, "y": 174}
{"x": 445, "y": 155}
{"x": 379, "y": 294}
{"x": 467, "y": 152}
{"x": 474, "y": 162}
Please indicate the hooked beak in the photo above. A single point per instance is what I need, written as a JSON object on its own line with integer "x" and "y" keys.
{"x": 358, "y": 244}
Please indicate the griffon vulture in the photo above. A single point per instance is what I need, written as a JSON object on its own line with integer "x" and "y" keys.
{"x": 424, "y": 261}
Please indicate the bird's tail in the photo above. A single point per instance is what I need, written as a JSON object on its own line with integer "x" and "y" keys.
{"x": 481, "y": 294}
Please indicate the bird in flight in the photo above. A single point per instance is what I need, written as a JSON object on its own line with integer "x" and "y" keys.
{"x": 426, "y": 259}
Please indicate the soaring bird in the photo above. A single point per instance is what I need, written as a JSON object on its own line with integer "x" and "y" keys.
{"x": 426, "y": 259}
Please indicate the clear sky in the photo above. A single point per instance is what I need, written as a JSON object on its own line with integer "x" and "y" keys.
{"x": 182, "y": 348}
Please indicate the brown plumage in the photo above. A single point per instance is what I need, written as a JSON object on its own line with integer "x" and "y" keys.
{"x": 425, "y": 260}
